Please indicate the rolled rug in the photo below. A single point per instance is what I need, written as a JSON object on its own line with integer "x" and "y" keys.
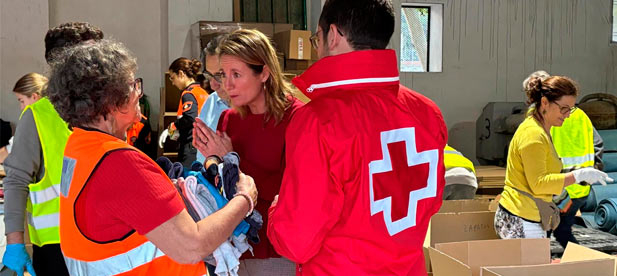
{"x": 606, "y": 215}
{"x": 597, "y": 194}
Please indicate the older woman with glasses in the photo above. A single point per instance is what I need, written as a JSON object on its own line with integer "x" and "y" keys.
{"x": 533, "y": 173}
{"x": 120, "y": 213}
{"x": 262, "y": 107}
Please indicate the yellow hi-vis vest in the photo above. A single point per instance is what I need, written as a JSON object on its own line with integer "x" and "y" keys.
{"x": 574, "y": 143}
{"x": 43, "y": 207}
{"x": 453, "y": 159}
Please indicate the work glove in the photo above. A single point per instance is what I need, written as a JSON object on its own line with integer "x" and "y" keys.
{"x": 591, "y": 175}
{"x": 16, "y": 258}
{"x": 163, "y": 137}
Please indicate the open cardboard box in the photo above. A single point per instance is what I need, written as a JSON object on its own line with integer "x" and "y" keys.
{"x": 518, "y": 257}
{"x": 460, "y": 220}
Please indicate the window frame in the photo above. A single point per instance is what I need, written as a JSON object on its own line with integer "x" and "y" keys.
{"x": 434, "y": 36}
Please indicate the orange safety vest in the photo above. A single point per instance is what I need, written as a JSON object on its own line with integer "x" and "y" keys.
{"x": 131, "y": 255}
{"x": 133, "y": 132}
{"x": 199, "y": 93}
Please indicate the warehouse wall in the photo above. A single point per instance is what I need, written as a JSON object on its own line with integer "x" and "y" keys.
{"x": 23, "y": 24}
{"x": 183, "y": 13}
{"x": 156, "y": 31}
{"x": 490, "y": 46}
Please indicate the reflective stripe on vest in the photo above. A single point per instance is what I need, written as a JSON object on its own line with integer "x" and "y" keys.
{"x": 44, "y": 221}
{"x": 116, "y": 264}
{"x": 573, "y": 142}
{"x": 45, "y": 195}
{"x": 455, "y": 159}
{"x": 43, "y": 200}
{"x": 570, "y": 162}
{"x": 132, "y": 254}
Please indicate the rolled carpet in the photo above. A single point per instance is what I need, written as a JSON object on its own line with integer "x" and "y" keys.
{"x": 606, "y": 215}
{"x": 597, "y": 194}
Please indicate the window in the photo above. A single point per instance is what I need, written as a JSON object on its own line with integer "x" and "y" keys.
{"x": 614, "y": 39}
{"x": 421, "y": 35}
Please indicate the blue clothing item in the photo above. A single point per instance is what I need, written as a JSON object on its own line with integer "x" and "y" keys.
{"x": 210, "y": 114}
{"x": 16, "y": 258}
{"x": 243, "y": 227}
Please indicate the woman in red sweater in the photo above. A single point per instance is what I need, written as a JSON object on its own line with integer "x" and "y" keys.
{"x": 263, "y": 104}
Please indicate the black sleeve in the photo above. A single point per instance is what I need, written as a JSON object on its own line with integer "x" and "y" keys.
{"x": 190, "y": 112}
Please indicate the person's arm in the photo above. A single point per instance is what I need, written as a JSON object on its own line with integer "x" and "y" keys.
{"x": 310, "y": 201}
{"x": 185, "y": 241}
{"x": 534, "y": 157}
{"x": 150, "y": 204}
{"x": 598, "y": 149}
{"x": 22, "y": 167}
{"x": 190, "y": 110}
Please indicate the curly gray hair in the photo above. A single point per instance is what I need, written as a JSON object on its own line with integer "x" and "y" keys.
{"x": 88, "y": 81}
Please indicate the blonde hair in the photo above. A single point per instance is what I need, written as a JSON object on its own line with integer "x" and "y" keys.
{"x": 32, "y": 83}
{"x": 256, "y": 50}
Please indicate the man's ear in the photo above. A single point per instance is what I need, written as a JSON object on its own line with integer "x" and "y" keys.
{"x": 334, "y": 37}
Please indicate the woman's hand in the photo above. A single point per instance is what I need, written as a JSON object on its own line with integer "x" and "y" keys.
{"x": 208, "y": 142}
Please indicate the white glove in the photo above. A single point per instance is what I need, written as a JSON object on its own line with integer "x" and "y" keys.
{"x": 163, "y": 137}
{"x": 591, "y": 176}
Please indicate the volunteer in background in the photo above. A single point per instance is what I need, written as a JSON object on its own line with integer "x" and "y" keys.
{"x": 533, "y": 173}
{"x": 33, "y": 171}
{"x": 578, "y": 144}
{"x": 461, "y": 181}
{"x": 218, "y": 101}
{"x": 182, "y": 74}
{"x": 138, "y": 134}
{"x": 263, "y": 105}
{"x": 120, "y": 213}
{"x": 27, "y": 90}
{"x": 364, "y": 158}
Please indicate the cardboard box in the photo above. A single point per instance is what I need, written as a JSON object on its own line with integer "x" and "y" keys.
{"x": 576, "y": 260}
{"x": 460, "y": 220}
{"x": 203, "y": 31}
{"x": 520, "y": 257}
{"x": 295, "y": 44}
{"x": 467, "y": 258}
{"x": 604, "y": 267}
{"x": 298, "y": 64}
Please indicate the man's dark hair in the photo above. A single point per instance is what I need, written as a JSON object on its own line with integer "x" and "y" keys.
{"x": 366, "y": 24}
{"x": 69, "y": 34}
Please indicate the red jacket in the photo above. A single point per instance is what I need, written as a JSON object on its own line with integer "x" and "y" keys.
{"x": 355, "y": 199}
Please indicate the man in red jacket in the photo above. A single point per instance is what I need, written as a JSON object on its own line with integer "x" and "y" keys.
{"x": 364, "y": 158}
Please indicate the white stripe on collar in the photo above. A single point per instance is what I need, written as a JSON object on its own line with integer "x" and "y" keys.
{"x": 352, "y": 81}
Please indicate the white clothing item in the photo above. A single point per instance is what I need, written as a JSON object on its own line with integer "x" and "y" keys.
{"x": 460, "y": 175}
{"x": 533, "y": 230}
{"x": 10, "y": 145}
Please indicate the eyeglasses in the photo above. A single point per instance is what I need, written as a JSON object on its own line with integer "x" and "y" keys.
{"x": 565, "y": 109}
{"x": 216, "y": 76}
{"x": 315, "y": 38}
{"x": 138, "y": 87}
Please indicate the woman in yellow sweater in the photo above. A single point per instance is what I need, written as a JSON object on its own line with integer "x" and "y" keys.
{"x": 533, "y": 167}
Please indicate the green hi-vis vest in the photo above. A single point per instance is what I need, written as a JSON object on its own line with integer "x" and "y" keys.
{"x": 453, "y": 158}
{"x": 43, "y": 207}
{"x": 574, "y": 143}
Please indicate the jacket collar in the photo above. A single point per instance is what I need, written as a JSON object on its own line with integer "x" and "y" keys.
{"x": 356, "y": 68}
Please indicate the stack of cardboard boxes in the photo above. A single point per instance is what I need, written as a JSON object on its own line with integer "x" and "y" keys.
{"x": 461, "y": 240}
